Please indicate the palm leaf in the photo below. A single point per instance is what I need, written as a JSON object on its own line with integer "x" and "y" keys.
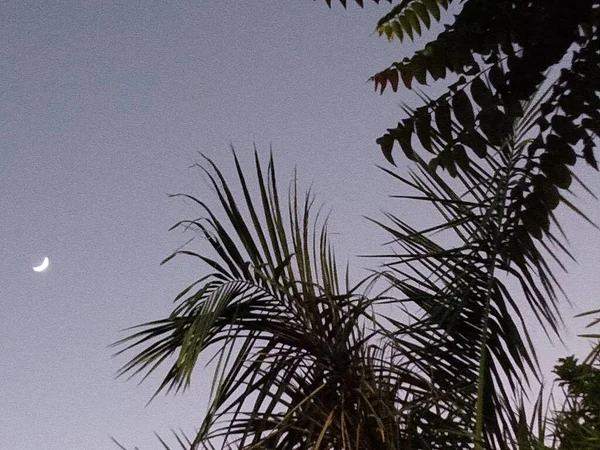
{"x": 290, "y": 347}
{"x": 470, "y": 337}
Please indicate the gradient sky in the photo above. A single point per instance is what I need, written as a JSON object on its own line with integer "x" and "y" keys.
{"x": 103, "y": 108}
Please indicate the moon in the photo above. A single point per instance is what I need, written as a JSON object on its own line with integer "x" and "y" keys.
{"x": 43, "y": 266}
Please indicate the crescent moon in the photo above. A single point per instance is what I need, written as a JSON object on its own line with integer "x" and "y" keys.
{"x": 43, "y": 266}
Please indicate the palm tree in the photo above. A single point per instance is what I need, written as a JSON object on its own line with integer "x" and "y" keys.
{"x": 472, "y": 335}
{"x": 305, "y": 360}
{"x": 293, "y": 365}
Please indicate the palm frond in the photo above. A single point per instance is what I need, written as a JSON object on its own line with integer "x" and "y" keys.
{"x": 292, "y": 364}
{"x": 469, "y": 335}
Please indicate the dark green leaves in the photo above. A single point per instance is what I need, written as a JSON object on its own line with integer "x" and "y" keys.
{"x": 476, "y": 142}
{"x": 406, "y": 75}
{"x": 535, "y": 216}
{"x": 455, "y": 287}
{"x": 546, "y": 191}
{"x": 423, "y": 128}
{"x": 272, "y": 307}
{"x": 565, "y": 128}
{"x": 556, "y": 171}
{"x": 403, "y": 134}
{"x": 494, "y": 124}
{"x": 407, "y": 24}
{"x": 433, "y": 8}
{"x": 406, "y": 18}
{"x": 386, "y": 142}
{"x": 481, "y": 94}
{"x": 421, "y": 11}
{"x": 460, "y": 157}
{"x": 443, "y": 120}
{"x": 463, "y": 110}
{"x": 588, "y": 154}
{"x": 560, "y": 150}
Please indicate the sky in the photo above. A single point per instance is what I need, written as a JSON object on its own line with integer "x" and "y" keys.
{"x": 104, "y": 106}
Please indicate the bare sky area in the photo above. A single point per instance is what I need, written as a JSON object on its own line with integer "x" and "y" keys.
{"x": 103, "y": 107}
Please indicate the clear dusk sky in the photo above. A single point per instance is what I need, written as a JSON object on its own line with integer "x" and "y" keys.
{"x": 103, "y": 107}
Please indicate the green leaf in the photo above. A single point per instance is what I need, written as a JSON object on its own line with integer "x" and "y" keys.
{"x": 389, "y": 32}
{"x": 592, "y": 125}
{"x": 531, "y": 223}
{"x": 537, "y": 212}
{"x": 393, "y": 78}
{"x": 419, "y": 68}
{"x": 407, "y": 75}
{"x": 547, "y": 191}
{"x": 422, "y": 13}
{"x": 588, "y": 155}
{"x": 423, "y": 128}
{"x": 433, "y": 8}
{"x": 565, "y": 128}
{"x": 460, "y": 156}
{"x": 395, "y": 12}
{"x": 481, "y": 94}
{"x": 381, "y": 80}
{"x": 497, "y": 78}
{"x": 556, "y": 171}
{"x": 386, "y": 142}
{"x": 414, "y": 21}
{"x": 476, "y": 142}
{"x": 403, "y": 134}
{"x": 406, "y": 26}
{"x": 561, "y": 149}
{"x": 443, "y": 120}
{"x": 490, "y": 122}
{"x": 446, "y": 161}
{"x": 463, "y": 110}
{"x": 397, "y": 30}
{"x": 437, "y": 66}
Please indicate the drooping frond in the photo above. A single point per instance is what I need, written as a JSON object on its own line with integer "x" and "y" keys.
{"x": 294, "y": 368}
{"x": 468, "y": 332}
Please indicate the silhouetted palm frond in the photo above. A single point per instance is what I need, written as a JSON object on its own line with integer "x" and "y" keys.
{"x": 292, "y": 362}
{"x": 468, "y": 333}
